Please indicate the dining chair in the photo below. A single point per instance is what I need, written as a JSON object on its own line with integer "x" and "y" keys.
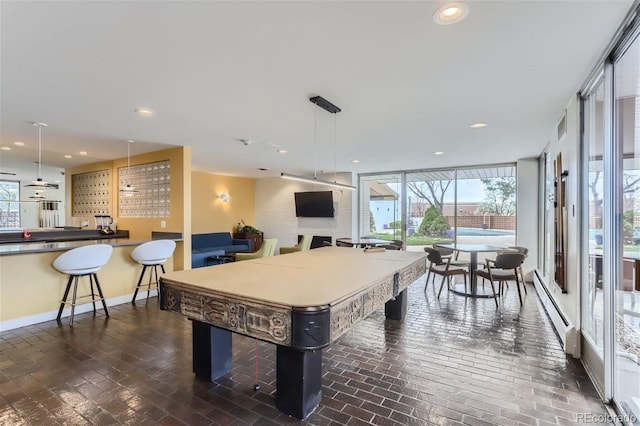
{"x": 442, "y": 266}
{"x": 341, "y": 243}
{"x": 504, "y": 268}
{"x": 398, "y": 243}
{"x": 524, "y": 251}
{"x": 452, "y": 254}
{"x": 389, "y": 246}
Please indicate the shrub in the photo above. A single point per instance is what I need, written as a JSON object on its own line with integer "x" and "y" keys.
{"x": 434, "y": 224}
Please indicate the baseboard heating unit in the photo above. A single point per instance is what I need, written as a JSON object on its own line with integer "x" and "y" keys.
{"x": 566, "y": 331}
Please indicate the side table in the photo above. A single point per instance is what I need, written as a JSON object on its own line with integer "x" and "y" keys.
{"x": 219, "y": 259}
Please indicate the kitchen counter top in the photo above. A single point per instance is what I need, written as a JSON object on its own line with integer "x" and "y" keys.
{"x": 58, "y": 235}
{"x": 35, "y": 247}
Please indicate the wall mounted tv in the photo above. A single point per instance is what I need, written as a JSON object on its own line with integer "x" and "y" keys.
{"x": 314, "y": 204}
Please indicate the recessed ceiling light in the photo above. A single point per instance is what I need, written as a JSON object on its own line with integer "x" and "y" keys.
{"x": 83, "y": 152}
{"x": 18, "y": 143}
{"x": 145, "y": 112}
{"x": 263, "y": 169}
{"x": 450, "y": 13}
{"x": 438, "y": 153}
{"x": 282, "y": 151}
{"x": 355, "y": 161}
{"x": 478, "y": 125}
{"x": 6, "y": 148}
{"x": 68, "y": 156}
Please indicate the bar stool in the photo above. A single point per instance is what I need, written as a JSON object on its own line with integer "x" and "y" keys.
{"x": 79, "y": 262}
{"x": 151, "y": 255}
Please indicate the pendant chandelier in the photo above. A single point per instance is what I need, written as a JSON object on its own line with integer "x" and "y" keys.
{"x": 128, "y": 189}
{"x": 332, "y": 109}
{"x": 39, "y": 184}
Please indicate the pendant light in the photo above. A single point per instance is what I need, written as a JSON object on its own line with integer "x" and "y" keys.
{"x": 37, "y": 196}
{"x": 128, "y": 190}
{"x": 333, "y": 109}
{"x": 39, "y": 185}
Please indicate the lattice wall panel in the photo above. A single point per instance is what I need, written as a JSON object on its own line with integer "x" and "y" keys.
{"x": 152, "y": 181}
{"x": 91, "y": 193}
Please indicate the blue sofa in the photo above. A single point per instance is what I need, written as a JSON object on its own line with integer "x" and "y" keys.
{"x": 205, "y": 245}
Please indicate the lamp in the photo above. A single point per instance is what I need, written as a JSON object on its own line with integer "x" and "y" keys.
{"x": 332, "y": 109}
{"x": 224, "y": 197}
{"x": 128, "y": 190}
{"x": 39, "y": 184}
{"x": 37, "y": 196}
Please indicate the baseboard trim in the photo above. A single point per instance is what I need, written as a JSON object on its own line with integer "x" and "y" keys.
{"x": 80, "y": 309}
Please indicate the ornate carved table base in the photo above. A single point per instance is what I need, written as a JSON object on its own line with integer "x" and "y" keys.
{"x": 262, "y": 299}
{"x": 298, "y": 370}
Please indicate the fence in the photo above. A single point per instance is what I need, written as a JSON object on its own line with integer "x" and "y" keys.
{"x": 484, "y": 222}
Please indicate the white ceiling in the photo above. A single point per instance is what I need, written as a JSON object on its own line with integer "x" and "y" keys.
{"x": 217, "y": 72}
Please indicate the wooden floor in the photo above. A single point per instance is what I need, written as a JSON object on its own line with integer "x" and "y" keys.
{"x": 453, "y": 361}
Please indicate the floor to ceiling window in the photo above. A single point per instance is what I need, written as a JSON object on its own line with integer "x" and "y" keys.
{"x": 592, "y": 272}
{"x": 380, "y": 213}
{"x": 610, "y": 270}
{"x": 626, "y": 289}
{"x": 465, "y": 205}
{"x": 9, "y": 204}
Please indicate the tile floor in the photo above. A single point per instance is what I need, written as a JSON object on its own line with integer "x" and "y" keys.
{"x": 453, "y": 361}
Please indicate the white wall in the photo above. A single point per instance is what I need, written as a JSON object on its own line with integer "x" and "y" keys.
{"x": 276, "y": 213}
{"x": 527, "y": 210}
{"x": 569, "y": 146}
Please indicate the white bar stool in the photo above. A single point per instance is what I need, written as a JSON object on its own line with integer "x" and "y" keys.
{"x": 78, "y": 262}
{"x": 151, "y": 255}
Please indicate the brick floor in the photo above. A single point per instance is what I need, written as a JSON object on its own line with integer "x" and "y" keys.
{"x": 453, "y": 361}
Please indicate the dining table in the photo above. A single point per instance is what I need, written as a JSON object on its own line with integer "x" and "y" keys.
{"x": 473, "y": 250}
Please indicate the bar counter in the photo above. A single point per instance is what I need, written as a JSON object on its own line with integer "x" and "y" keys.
{"x": 29, "y": 247}
{"x": 31, "y": 288}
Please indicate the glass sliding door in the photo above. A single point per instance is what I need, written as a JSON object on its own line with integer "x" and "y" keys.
{"x": 592, "y": 243}
{"x": 431, "y": 204}
{"x": 486, "y": 205}
{"x": 625, "y": 294}
{"x": 422, "y": 208}
{"x": 380, "y": 207}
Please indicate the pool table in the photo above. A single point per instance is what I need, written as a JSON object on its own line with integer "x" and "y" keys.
{"x": 301, "y": 302}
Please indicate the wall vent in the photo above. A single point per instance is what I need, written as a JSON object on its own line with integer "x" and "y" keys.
{"x": 562, "y": 126}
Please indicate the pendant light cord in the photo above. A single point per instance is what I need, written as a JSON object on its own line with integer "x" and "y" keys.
{"x": 315, "y": 142}
{"x": 335, "y": 145}
{"x": 39, "y": 149}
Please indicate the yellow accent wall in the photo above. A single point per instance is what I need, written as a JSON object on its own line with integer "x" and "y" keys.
{"x": 140, "y": 228}
{"x": 209, "y": 213}
{"x": 30, "y": 285}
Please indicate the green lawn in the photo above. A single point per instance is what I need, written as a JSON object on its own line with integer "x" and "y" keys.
{"x": 413, "y": 240}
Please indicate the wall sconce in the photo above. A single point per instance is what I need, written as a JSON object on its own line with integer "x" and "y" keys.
{"x": 224, "y": 197}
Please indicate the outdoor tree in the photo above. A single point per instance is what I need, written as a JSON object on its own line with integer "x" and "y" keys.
{"x": 499, "y": 196}
{"x": 630, "y": 186}
{"x": 432, "y": 191}
{"x": 434, "y": 224}
{"x": 372, "y": 222}
{"x": 7, "y": 195}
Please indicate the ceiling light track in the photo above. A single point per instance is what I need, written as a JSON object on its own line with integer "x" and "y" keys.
{"x": 317, "y": 181}
{"x": 325, "y": 104}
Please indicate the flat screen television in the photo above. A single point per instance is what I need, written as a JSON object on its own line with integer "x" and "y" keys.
{"x": 314, "y": 204}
